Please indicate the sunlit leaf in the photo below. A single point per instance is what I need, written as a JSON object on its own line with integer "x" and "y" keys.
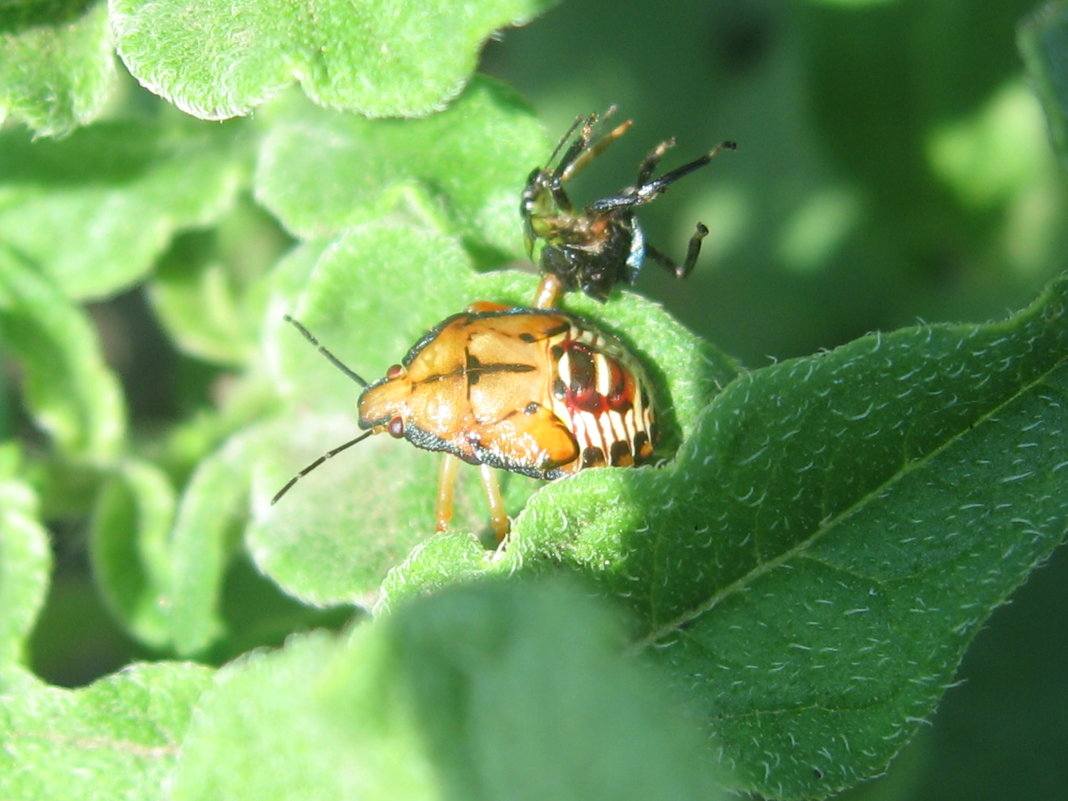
{"x": 68, "y": 388}
{"x": 57, "y": 66}
{"x": 118, "y": 738}
{"x": 96, "y": 208}
{"x": 320, "y": 172}
{"x": 420, "y": 705}
{"x": 25, "y": 564}
{"x": 379, "y": 58}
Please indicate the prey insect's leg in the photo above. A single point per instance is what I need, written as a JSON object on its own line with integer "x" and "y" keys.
{"x": 588, "y": 152}
{"x": 576, "y": 146}
{"x": 550, "y": 291}
{"x": 446, "y": 485}
{"x": 648, "y": 190}
{"x": 693, "y": 250}
{"x": 644, "y": 192}
{"x": 498, "y": 517}
{"x": 645, "y": 169}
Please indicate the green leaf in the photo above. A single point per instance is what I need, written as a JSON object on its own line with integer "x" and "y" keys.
{"x": 117, "y": 738}
{"x": 68, "y": 388}
{"x": 217, "y": 59}
{"x": 208, "y": 296}
{"x": 339, "y": 530}
{"x": 446, "y": 559}
{"x": 320, "y": 172}
{"x": 201, "y": 544}
{"x": 57, "y": 66}
{"x": 163, "y": 567}
{"x": 496, "y": 691}
{"x": 1043, "y": 41}
{"x": 97, "y": 208}
{"x": 128, "y": 547}
{"x": 815, "y": 561}
{"x": 25, "y": 564}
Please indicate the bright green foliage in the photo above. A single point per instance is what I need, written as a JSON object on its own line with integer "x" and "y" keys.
{"x": 24, "y": 565}
{"x": 777, "y": 604}
{"x": 115, "y": 739}
{"x": 380, "y": 58}
{"x": 201, "y": 544}
{"x": 57, "y": 64}
{"x": 918, "y": 478}
{"x": 208, "y": 288}
{"x": 96, "y": 209}
{"x": 319, "y": 172}
{"x": 505, "y": 690}
{"x": 133, "y": 516}
{"x": 1044, "y": 45}
{"x": 69, "y": 390}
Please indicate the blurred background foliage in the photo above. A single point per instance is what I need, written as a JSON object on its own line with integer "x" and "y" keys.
{"x": 893, "y": 164}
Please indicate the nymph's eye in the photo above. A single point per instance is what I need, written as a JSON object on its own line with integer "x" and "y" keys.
{"x": 395, "y": 427}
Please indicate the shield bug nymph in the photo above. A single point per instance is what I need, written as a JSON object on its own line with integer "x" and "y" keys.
{"x": 595, "y": 247}
{"x": 533, "y": 391}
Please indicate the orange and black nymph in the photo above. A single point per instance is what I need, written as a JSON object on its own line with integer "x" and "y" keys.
{"x": 539, "y": 392}
{"x": 532, "y": 391}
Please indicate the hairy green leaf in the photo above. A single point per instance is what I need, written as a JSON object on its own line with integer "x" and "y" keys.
{"x": 321, "y": 172}
{"x": 378, "y": 58}
{"x": 96, "y": 209}
{"x": 57, "y": 66}
{"x": 208, "y": 288}
{"x": 201, "y": 544}
{"x": 504, "y": 691}
{"x": 25, "y": 564}
{"x": 68, "y": 388}
{"x": 115, "y": 739}
{"x": 814, "y": 562}
{"x": 128, "y": 546}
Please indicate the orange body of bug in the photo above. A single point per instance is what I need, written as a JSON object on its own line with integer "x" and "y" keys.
{"x": 537, "y": 392}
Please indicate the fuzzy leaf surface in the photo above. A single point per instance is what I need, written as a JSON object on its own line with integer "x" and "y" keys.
{"x": 97, "y": 208}
{"x": 118, "y": 738}
{"x": 418, "y": 704}
{"x": 826, "y": 544}
{"x": 25, "y": 564}
{"x": 57, "y": 65}
{"x": 69, "y": 389}
{"x": 128, "y": 547}
{"x": 206, "y": 529}
{"x": 378, "y": 58}
{"x": 320, "y": 172}
{"x": 207, "y": 287}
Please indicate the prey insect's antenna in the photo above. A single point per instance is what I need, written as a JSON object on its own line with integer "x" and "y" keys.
{"x": 329, "y": 454}
{"x": 586, "y": 122}
{"x": 340, "y": 365}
